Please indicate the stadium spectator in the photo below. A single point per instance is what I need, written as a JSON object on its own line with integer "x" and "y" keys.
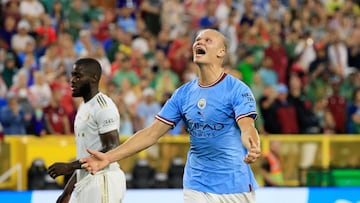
{"x": 20, "y": 87}
{"x": 7, "y": 31}
{"x": 146, "y": 111}
{"x": 75, "y": 18}
{"x": 57, "y": 15}
{"x": 163, "y": 40}
{"x": 31, "y": 10}
{"x": 286, "y": 115}
{"x": 3, "y": 90}
{"x": 11, "y": 8}
{"x": 100, "y": 28}
{"x": 40, "y": 92}
{"x": 248, "y": 16}
{"x": 336, "y": 105}
{"x": 353, "y": 122}
{"x": 131, "y": 96}
{"x": 56, "y": 119}
{"x": 323, "y": 114}
{"x": 274, "y": 10}
{"x": 126, "y": 19}
{"x": 10, "y": 69}
{"x": 267, "y": 73}
{"x": 179, "y": 53}
{"x": 46, "y": 30}
{"x": 50, "y": 58}
{"x": 338, "y": 55}
{"x": 173, "y": 19}
{"x": 22, "y": 37}
{"x": 276, "y": 51}
{"x": 246, "y": 68}
{"x": 353, "y": 44}
{"x": 93, "y": 12}
{"x": 271, "y": 166}
{"x": 209, "y": 20}
{"x": 151, "y": 12}
{"x": 126, "y": 125}
{"x": 307, "y": 121}
{"x": 13, "y": 118}
{"x": 61, "y": 83}
{"x": 100, "y": 55}
{"x": 125, "y": 72}
{"x": 165, "y": 79}
{"x": 267, "y": 108}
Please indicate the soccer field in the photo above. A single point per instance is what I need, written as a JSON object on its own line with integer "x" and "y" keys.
{"x": 264, "y": 195}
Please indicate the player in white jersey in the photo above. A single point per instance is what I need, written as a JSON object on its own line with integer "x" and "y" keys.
{"x": 96, "y": 127}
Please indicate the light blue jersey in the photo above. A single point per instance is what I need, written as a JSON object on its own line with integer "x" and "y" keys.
{"x": 215, "y": 159}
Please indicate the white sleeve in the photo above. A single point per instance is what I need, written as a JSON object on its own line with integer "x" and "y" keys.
{"x": 108, "y": 119}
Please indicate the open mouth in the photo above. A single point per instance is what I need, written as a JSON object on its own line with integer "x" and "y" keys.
{"x": 200, "y": 51}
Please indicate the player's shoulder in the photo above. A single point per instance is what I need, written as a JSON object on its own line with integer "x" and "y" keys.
{"x": 102, "y": 101}
{"x": 186, "y": 87}
{"x": 234, "y": 82}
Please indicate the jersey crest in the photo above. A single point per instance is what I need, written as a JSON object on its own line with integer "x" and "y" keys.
{"x": 201, "y": 103}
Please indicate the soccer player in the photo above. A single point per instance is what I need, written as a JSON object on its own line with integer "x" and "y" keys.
{"x": 219, "y": 112}
{"x": 96, "y": 127}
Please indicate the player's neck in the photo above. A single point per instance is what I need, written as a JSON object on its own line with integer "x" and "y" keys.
{"x": 209, "y": 74}
{"x": 89, "y": 96}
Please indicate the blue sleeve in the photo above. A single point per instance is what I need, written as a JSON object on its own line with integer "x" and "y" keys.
{"x": 171, "y": 111}
{"x": 244, "y": 103}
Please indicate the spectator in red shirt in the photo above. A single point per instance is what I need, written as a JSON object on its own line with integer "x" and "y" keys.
{"x": 179, "y": 53}
{"x": 46, "y": 30}
{"x": 285, "y": 112}
{"x": 57, "y": 121}
{"x": 61, "y": 83}
{"x": 277, "y": 53}
{"x": 337, "y": 105}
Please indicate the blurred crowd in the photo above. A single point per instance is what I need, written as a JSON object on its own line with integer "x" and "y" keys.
{"x": 301, "y": 58}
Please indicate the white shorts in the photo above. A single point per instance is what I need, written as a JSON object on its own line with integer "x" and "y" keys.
{"x": 192, "y": 196}
{"x": 106, "y": 186}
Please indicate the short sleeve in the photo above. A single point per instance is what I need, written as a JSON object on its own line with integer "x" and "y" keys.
{"x": 244, "y": 103}
{"x": 108, "y": 119}
{"x": 171, "y": 111}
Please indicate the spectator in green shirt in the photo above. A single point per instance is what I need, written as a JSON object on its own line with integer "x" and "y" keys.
{"x": 125, "y": 71}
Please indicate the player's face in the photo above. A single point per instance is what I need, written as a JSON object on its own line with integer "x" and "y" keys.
{"x": 80, "y": 82}
{"x": 208, "y": 47}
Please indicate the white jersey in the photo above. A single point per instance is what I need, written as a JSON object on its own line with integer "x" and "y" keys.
{"x": 97, "y": 116}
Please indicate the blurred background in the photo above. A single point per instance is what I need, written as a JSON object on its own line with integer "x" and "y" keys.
{"x": 301, "y": 58}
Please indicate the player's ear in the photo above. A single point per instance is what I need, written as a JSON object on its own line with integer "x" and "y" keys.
{"x": 221, "y": 53}
{"x": 95, "y": 78}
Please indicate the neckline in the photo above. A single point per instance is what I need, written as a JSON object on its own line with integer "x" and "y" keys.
{"x": 220, "y": 78}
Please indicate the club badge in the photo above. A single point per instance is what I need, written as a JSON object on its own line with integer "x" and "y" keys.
{"x": 201, "y": 103}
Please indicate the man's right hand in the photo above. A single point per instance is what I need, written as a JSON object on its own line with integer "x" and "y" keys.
{"x": 95, "y": 162}
{"x": 58, "y": 169}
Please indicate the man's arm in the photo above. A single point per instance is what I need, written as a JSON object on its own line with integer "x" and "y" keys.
{"x": 250, "y": 139}
{"x": 139, "y": 141}
{"x": 109, "y": 140}
{"x": 60, "y": 168}
{"x": 69, "y": 187}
